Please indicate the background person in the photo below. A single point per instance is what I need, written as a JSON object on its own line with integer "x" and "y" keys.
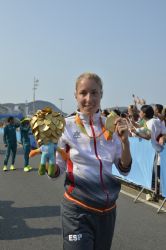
{"x": 158, "y": 108}
{"x": 25, "y": 141}
{"x": 164, "y": 115}
{"x": 153, "y": 130}
{"x": 133, "y": 113}
{"x": 10, "y": 142}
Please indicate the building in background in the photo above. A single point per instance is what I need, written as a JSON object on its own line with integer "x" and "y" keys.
{"x": 20, "y": 110}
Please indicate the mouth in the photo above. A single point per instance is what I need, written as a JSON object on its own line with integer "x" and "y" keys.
{"x": 89, "y": 106}
{"x": 89, "y": 109}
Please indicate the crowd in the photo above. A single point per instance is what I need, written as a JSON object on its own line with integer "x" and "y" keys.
{"x": 147, "y": 122}
{"x": 91, "y": 191}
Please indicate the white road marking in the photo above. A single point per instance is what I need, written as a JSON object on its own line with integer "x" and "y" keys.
{"x": 142, "y": 200}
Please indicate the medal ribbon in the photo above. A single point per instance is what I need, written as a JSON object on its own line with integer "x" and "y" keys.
{"x": 107, "y": 134}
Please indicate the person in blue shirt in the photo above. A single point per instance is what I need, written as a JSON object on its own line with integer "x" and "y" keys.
{"x": 10, "y": 142}
{"x": 25, "y": 141}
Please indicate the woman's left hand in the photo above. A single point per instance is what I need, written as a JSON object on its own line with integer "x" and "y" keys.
{"x": 122, "y": 129}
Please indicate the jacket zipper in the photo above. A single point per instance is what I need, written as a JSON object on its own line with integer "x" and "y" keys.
{"x": 101, "y": 166}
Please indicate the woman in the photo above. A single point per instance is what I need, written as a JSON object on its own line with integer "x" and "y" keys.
{"x": 89, "y": 204}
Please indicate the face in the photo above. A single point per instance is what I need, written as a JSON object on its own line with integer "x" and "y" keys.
{"x": 141, "y": 114}
{"x": 26, "y": 123}
{"x": 155, "y": 110}
{"x": 11, "y": 121}
{"x": 130, "y": 111}
{"x": 88, "y": 95}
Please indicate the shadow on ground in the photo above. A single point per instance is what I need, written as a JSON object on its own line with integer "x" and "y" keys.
{"x": 13, "y": 221}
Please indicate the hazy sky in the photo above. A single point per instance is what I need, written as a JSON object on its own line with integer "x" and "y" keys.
{"x": 123, "y": 41}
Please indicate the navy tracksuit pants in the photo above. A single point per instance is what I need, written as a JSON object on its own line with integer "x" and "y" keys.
{"x": 85, "y": 229}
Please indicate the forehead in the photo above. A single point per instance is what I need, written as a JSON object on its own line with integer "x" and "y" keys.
{"x": 88, "y": 84}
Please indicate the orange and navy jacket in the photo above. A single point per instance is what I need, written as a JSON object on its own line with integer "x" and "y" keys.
{"x": 89, "y": 178}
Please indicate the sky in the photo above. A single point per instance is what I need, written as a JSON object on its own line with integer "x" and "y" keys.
{"x": 54, "y": 41}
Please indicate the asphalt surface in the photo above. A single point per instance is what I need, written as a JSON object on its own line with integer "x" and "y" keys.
{"x": 30, "y": 215}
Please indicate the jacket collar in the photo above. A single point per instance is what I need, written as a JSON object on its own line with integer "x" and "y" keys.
{"x": 95, "y": 117}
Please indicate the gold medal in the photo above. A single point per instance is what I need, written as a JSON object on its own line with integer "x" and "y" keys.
{"x": 110, "y": 121}
{"x": 33, "y": 120}
{"x": 35, "y": 126}
{"x": 47, "y": 122}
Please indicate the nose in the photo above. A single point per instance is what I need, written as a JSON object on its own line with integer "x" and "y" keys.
{"x": 88, "y": 97}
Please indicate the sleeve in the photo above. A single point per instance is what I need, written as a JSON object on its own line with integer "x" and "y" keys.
{"x": 60, "y": 161}
{"x": 4, "y": 135}
{"x": 163, "y": 128}
{"x": 21, "y": 136}
{"x": 126, "y": 170}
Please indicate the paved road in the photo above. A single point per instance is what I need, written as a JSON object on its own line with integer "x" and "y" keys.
{"x": 30, "y": 215}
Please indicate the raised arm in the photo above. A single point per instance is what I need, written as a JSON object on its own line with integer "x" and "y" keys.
{"x": 122, "y": 132}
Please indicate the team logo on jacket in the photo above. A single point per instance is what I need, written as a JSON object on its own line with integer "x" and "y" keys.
{"x": 75, "y": 237}
{"x": 76, "y": 134}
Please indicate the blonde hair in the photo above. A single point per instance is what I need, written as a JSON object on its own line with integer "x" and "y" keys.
{"x": 92, "y": 76}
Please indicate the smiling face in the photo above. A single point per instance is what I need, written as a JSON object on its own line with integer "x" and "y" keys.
{"x": 88, "y": 94}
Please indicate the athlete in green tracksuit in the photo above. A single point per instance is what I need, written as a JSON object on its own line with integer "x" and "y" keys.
{"x": 10, "y": 141}
{"x": 25, "y": 140}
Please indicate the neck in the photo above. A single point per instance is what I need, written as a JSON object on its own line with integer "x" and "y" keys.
{"x": 87, "y": 113}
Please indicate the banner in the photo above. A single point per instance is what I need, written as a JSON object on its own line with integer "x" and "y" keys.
{"x": 31, "y": 136}
{"x": 143, "y": 155}
{"x": 163, "y": 172}
{"x": 18, "y": 135}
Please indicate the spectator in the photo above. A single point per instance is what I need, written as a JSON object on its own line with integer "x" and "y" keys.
{"x": 105, "y": 112}
{"x": 153, "y": 130}
{"x": 133, "y": 113}
{"x": 164, "y": 114}
{"x": 158, "y": 111}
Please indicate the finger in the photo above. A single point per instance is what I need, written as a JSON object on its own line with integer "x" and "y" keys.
{"x": 122, "y": 121}
{"x": 121, "y": 129}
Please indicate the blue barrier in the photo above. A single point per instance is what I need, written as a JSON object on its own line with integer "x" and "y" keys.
{"x": 33, "y": 141}
{"x": 32, "y": 138}
{"x": 163, "y": 172}
{"x": 18, "y": 116}
{"x": 143, "y": 155}
{"x": 17, "y": 134}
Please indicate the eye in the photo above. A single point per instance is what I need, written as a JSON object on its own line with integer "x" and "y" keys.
{"x": 83, "y": 93}
{"x": 95, "y": 92}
